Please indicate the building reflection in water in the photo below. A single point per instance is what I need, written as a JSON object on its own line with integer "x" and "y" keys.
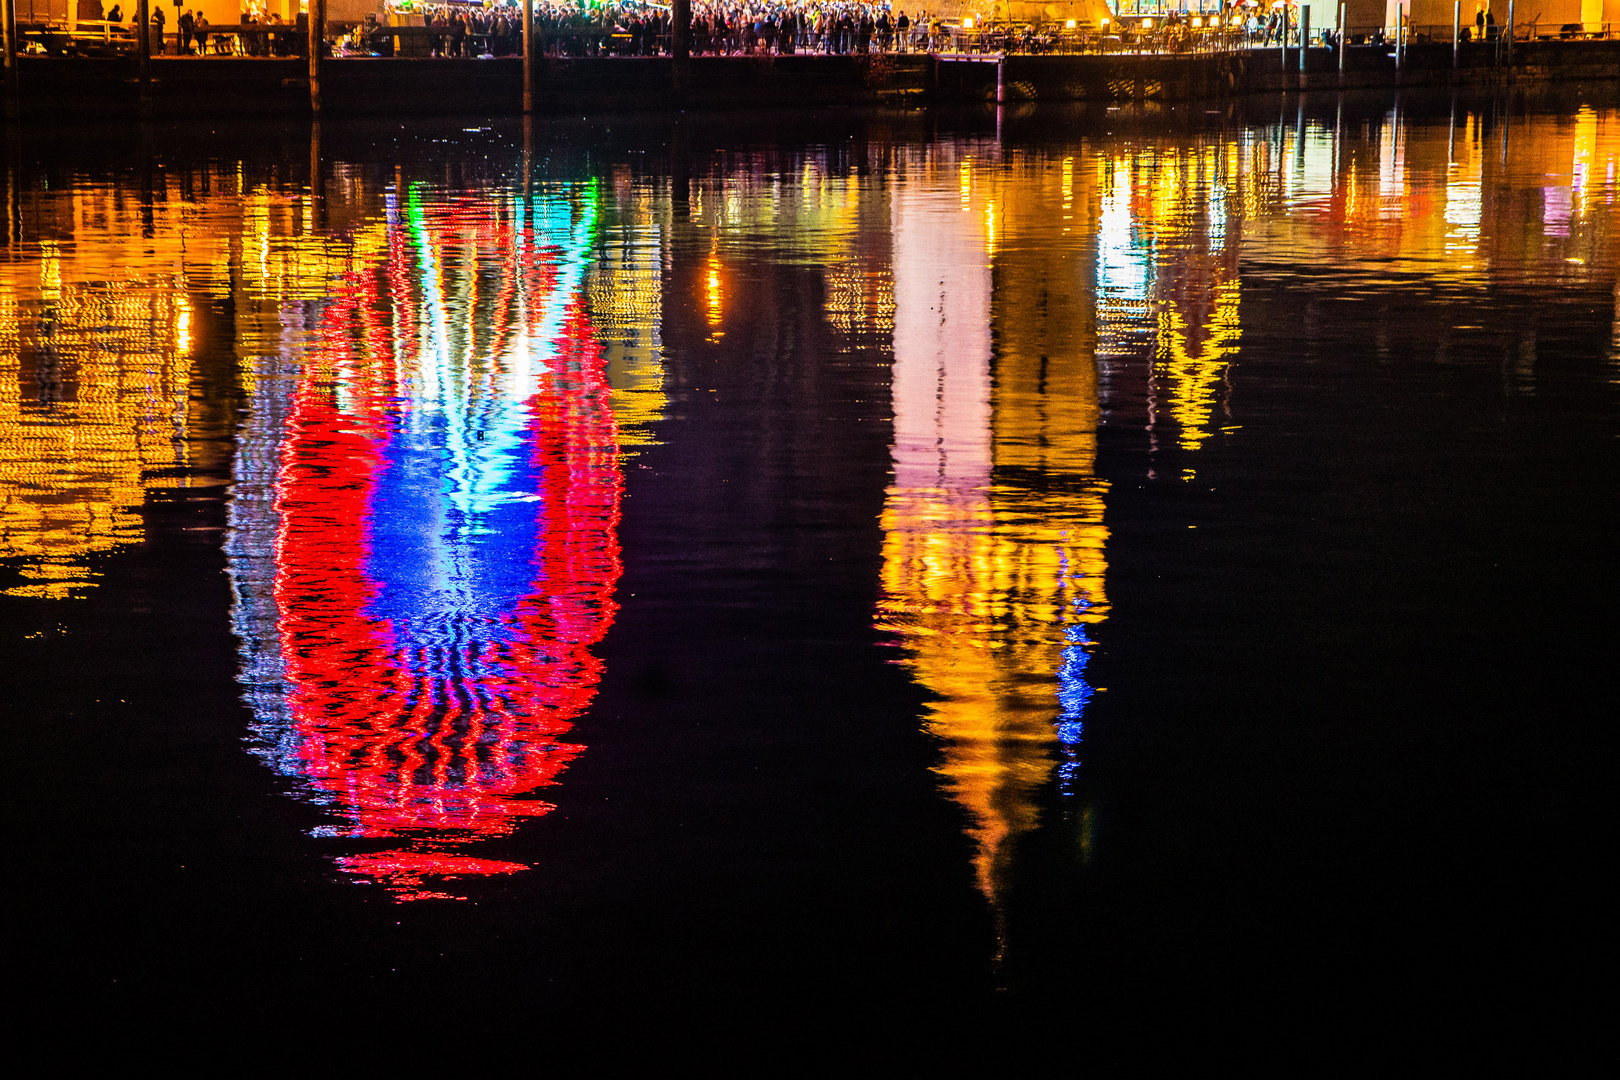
{"x": 94, "y": 409}
{"x": 439, "y": 386}
{"x": 1025, "y": 282}
{"x": 1021, "y": 283}
{"x": 424, "y": 535}
{"x": 993, "y": 552}
{"x": 1167, "y": 278}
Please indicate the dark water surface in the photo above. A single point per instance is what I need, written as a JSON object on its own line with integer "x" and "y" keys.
{"x": 1060, "y": 576}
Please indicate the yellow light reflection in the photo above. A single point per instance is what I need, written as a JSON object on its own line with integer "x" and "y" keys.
{"x": 100, "y": 316}
{"x": 714, "y": 293}
{"x": 990, "y": 576}
{"x": 1194, "y": 363}
{"x": 625, "y": 296}
{"x": 182, "y": 325}
{"x": 93, "y": 401}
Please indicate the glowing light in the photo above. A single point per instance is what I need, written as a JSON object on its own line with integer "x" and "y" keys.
{"x": 967, "y": 24}
{"x": 988, "y": 585}
{"x": 1194, "y": 372}
{"x": 1071, "y": 24}
{"x": 715, "y": 295}
{"x": 94, "y": 408}
{"x": 424, "y": 538}
{"x": 182, "y": 325}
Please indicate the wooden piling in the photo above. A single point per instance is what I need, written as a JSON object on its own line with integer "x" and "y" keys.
{"x": 1304, "y": 42}
{"x": 680, "y": 44}
{"x": 1341, "y": 45}
{"x": 317, "y": 45}
{"x": 1457, "y": 38}
{"x": 143, "y": 56}
{"x": 8, "y": 32}
{"x": 1510, "y": 39}
{"x": 528, "y": 57}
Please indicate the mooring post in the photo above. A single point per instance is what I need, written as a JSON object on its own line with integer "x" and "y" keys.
{"x": 317, "y": 45}
{"x": 1001, "y": 83}
{"x": 1283, "y": 38}
{"x": 680, "y": 43}
{"x": 8, "y": 30}
{"x": 528, "y": 56}
{"x": 1304, "y": 40}
{"x": 1510, "y": 37}
{"x": 143, "y": 55}
{"x": 1400, "y": 29}
{"x": 1457, "y": 38}
{"x": 1341, "y": 45}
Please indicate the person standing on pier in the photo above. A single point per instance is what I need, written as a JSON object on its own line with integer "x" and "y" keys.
{"x": 157, "y": 29}
{"x": 184, "y": 26}
{"x": 458, "y": 33}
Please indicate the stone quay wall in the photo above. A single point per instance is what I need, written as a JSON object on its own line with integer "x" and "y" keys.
{"x": 178, "y": 87}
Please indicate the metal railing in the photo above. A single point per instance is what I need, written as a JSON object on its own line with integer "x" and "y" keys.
{"x": 86, "y": 37}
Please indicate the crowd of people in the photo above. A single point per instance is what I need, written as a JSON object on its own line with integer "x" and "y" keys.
{"x": 636, "y": 29}
{"x": 784, "y": 27}
{"x": 718, "y": 28}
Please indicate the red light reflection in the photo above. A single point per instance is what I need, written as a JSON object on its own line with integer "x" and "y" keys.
{"x": 435, "y": 639}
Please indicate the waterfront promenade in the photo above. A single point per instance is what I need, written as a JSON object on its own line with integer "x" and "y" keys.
{"x": 42, "y": 86}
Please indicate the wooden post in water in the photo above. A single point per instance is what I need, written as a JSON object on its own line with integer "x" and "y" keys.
{"x": 1510, "y": 37}
{"x": 317, "y": 45}
{"x": 1304, "y": 39}
{"x": 1341, "y": 46}
{"x": 1457, "y": 36}
{"x": 1400, "y": 28}
{"x": 528, "y": 57}
{"x": 1284, "y": 39}
{"x": 143, "y": 55}
{"x": 8, "y": 32}
{"x": 680, "y": 43}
